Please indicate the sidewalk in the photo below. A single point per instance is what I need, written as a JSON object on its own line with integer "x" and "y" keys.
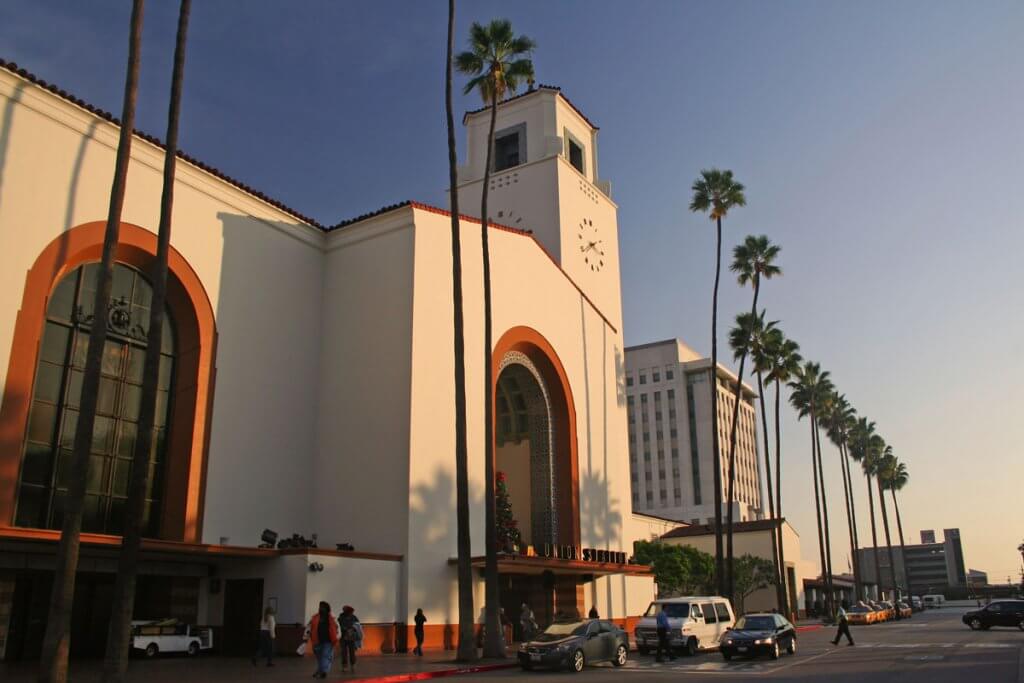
{"x": 170, "y": 668}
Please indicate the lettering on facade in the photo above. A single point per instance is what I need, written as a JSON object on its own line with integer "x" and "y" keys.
{"x": 575, "y": 552}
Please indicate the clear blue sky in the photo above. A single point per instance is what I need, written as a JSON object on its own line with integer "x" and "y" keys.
{"x": 881, "y": 144}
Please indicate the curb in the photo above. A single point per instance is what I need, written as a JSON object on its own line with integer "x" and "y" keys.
{"x": 441, "y": 673}
{"x": 812, "y": 627}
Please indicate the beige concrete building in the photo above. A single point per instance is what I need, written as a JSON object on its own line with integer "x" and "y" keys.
{"x": 753, "y": 538}
{"x": 669, "y": 412}
{"x": 332, "y": 412}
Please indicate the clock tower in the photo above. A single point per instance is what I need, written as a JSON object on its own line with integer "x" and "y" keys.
{"x": 544, "y": 179}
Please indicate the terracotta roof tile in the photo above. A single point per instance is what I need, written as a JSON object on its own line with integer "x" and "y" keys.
{"x": 540, "y": 86}
{"x": 107, "y": 116}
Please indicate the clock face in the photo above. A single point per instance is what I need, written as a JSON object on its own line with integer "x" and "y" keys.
{"x": 591, "y": 245}
{"x": 509, "y": 217}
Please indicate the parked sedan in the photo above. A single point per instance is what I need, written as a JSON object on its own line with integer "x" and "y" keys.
{"x": 906, "y": 612}
{"x": 574, "y": 644}
{"x": 997, "y": 613}
{"x": 757, "y": 634}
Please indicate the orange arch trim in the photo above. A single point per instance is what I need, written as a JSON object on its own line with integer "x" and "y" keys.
{"x": 188, "y": 440}
{"x": 534, "y": 346}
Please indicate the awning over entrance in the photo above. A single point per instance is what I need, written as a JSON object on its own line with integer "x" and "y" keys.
{"x": 523, "y": 564}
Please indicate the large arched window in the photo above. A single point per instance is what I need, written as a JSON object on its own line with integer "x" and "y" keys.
{"x": 50, "y": 436}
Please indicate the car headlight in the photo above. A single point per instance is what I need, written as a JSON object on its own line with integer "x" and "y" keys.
{"x": 728, "y": 641}
{"x": 763, "y": 641}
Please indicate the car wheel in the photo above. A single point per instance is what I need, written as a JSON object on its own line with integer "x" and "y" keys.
{"x": 792, "y": 646}
{"x": 152, "y": 650}
{"x": 578, "y": 662}
{"x": 974, "y": 623}
{"x": 193, "y": 649}
{"x": 691, "y": 647}
{"x": 620, "y": 656}
{"x": 727, "y": 656}
{"x": 774, "y": 654}
{"x": 527, "y": 667}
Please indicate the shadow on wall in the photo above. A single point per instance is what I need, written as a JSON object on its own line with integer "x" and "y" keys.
{"x": 620, "y": 377}
{"x": 5, "y": 131}
{"x": 264, "y": 408}
{"x": 432, "y": 524}
{"x": 601, "y": 521}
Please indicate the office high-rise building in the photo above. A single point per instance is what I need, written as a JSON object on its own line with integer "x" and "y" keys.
{"x": 670, "y": 446}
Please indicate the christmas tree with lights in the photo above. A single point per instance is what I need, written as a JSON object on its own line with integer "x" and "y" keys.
{"x": 508, "y": 536}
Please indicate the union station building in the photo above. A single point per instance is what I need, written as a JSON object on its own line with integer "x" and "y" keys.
{"x": 307, "y": 385}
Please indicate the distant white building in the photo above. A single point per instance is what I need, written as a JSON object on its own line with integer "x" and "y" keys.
{"x": 670, "y": 446}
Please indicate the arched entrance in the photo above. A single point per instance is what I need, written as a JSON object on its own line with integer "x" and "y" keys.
{"x": 535, "y": 450}
{"x": 190, "y": 384}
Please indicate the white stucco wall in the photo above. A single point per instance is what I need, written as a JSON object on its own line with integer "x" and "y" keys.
{"x": 261, "y": 268}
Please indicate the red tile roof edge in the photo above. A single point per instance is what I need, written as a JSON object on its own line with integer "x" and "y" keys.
{"x": 107, "y": 116}
{"x": 540, "y": 86}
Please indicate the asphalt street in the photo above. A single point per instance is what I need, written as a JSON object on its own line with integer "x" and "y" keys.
{"x": 933, "y": 647}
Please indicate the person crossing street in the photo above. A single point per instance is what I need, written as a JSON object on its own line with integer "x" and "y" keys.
{"x": 844, "y": 627}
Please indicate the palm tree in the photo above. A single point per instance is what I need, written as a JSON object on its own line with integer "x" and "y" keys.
{"x": 53, "y": 662}
{"x": 497, "y": 61}
{"x": 811, "y": 388}
{"x": 118, "y": 634}
{"x": 715, "y": 193}
{"x": 761, "y": 349}
{"x": 837, "y": 425}
{"x": 869, "y": 447}
{"x": 752, "y": 261}
{"x": 883, "y": 473}
{"x": 897, "y": 480}
{"x": 467, "y": 642}
{"x": 784, "y": 362}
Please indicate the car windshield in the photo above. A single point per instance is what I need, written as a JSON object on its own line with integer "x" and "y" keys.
{"x": 755, "y": 624}
{"x": 673, "y": 610}
{"x": 568, "y": 628}
{"x": 860, "y": 610}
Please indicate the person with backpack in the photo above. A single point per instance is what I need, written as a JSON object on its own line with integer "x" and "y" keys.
{"x": 351, "y": 637}
{"x": 323, "y": 635}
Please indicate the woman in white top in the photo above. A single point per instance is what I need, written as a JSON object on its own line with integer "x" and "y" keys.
{"x": 268, "y": 632}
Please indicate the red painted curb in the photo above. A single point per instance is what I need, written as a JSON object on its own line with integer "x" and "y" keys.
{"x": 813, "y": 627}
{"x": 442, "y": 673}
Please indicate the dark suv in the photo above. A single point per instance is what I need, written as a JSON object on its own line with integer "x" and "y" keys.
{"x": 574, "y": 644}
{"x": 997, "y": 613}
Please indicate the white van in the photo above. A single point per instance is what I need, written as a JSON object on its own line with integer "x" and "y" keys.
{"x": 696, "y": 623}
{"x": 934, "y": 600}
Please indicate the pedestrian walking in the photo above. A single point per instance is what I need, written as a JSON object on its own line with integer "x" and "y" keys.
{"x": 323, "y": 634}
{"x": 593, "y": 613}
{"x": 420, "y": 619}
{"x": 351, "y": 637}
{"x": 844, "y": 627}
{"x": 526, "y": 622}
{"x": 268, "y": 632}
{"x": 664, "y": 646}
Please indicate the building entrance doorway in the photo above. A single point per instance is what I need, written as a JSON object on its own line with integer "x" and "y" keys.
{"x": 243, "y": 604}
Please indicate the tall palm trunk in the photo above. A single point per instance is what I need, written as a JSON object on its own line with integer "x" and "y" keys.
{"x": 849, "y": 516}
{"x": 874, "y": 539}
{"x": 731, "y": 498}
{"x": 888, "y": 538}
{"x": 779, "y": 586}
{"x": 118, "y": 634}
{"x": 903, "y": 547}
{"x": 53, "y": 663}
{"x": 467, "y": 643}
{"x": 786, "y": 608}
{"x": 858, "y": 576}
{"x": 825, "y": 524}
{"x": 494, "y": 645}
{"x": 817, "y": 510}
{"x": 716, "y": 456}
